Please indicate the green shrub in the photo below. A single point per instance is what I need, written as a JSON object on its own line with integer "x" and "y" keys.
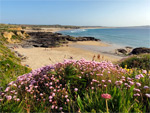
{"x": 10, "y": 71}
{"x": 139, "y": 61}
{"x": 10, "y": 65}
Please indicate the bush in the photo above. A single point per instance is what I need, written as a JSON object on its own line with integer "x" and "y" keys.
{"x": 140, "y": 61}
{"x": 76, "y": 86}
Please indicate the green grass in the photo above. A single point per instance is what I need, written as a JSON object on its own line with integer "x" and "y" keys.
{"x": 139, "y": 61}
{"x": 10, "y": 65}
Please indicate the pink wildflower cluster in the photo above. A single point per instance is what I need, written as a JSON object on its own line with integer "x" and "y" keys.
{"x": 48, "y": 84}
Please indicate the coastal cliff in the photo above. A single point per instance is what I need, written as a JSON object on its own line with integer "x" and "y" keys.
{"x": 14, "y": 36}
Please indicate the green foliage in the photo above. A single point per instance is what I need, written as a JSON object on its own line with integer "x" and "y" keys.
{"x": 10, "y": 66}
{"x": 121, "y": 101}
{"x": 10, "y": 71}
{"x": 17, "y": 37}
{"x": 140, "y": 61}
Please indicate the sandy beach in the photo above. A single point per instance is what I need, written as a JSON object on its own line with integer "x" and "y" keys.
{"x": 61, "y": 29}
{"x": 38, "y": 57}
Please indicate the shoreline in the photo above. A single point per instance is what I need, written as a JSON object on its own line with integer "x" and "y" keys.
{"x": 37, "y": 57}
{"x": 62, "y": 29}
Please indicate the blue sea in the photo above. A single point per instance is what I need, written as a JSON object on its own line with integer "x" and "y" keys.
{"x": 133, "y": 37}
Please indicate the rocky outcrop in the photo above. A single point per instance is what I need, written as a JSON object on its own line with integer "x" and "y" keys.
{"x": 8, "y": 36}
{"x": 14, "y": 36}
{"x": 49, "y": 39}
{"x": 124, "y": 51}
{"x": 140, "y": 50}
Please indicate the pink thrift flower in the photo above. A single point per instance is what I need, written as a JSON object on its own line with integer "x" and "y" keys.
{"x": 106, "y": 96}
{"x": 9, "y": 97}
{"x": 99, "y": 84}
{"x": 15, "y": 85}
{"x": 125, "y": 84}
{"x": 7, "y": 89}
{"x": 54, "y": 90}
{"x": 109, "y": 81}
{"x": 51, "y": 83}
{"x": 141, "y": 75}
{"x": 41, "y": 94}
{"x": 123, "y": 77}
{"x": 138, "y": 84}
{"x": 14, "y": 97}
{"x": 116, "y": 82}
{"x": 137, "y": 94}
{"x": 120, "y": 82}
{"x": 103, "y": 81}
{"x": 66, "y": 96}
{"x": 67, "y": 100}
{"x": 131, "y": 83}
{"x": 75, "y": 89}
{"x": 50, "y": 97}
{"x": 148, "y": 95}
{"x": 60, "y": 108}
{"x": 18, "y": 99}
{"x": 129, "y": 78}
{"x": 36, "y": 86}
{"x": 144, "y": 71}
{"x": 138, "y": 90}
{"x": 53, "y": 94}
{"x": 51, "y": 87}
{"x": 128, "y": 86}
{"x": 105, "y": 85}
{"x": 53, "y": 106}
{"x": 146, "y": 87}
{"x": 56, "y": 107}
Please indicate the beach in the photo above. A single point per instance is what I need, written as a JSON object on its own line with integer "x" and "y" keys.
{"x": 38, "y": 57}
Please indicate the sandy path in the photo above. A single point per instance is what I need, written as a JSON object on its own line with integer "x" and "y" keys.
{"x": 38, "y": 57}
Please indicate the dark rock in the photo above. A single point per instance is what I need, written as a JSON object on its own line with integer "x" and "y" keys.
{"x": 58, "y": 33}
{"x": 140, "y": 50}
{"x": 49, "y": 39}
{"x": 123, "y": 51}
{"x": 87, "y": 39}
{"x": 37, "y": 45}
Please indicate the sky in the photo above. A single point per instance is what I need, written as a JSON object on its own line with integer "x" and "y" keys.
{"x": 76, "y": 12}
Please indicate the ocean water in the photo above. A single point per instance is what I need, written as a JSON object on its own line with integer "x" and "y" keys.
{"x": 133, "y": 37}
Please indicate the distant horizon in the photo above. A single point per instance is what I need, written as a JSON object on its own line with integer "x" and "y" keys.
{"x": 76, "y": 25}
{"x": 112, "y": 13}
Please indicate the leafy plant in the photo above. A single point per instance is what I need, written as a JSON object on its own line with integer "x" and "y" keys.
{"x": 140, "y": 61}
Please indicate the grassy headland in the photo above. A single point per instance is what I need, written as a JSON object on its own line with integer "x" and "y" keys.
{"x": 10, "y": 64}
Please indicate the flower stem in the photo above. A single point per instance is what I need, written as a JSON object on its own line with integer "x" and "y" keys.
{"x": 107, "y": 106}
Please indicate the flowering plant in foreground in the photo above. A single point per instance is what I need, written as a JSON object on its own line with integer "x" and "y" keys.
{"x": 106, "y": 96}
{"x": 67, "y": 86}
